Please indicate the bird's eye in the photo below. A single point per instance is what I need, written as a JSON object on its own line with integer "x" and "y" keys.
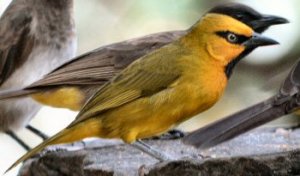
{"x": 232, "y": 38}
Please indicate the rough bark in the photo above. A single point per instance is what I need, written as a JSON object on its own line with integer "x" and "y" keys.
{"x": 260, "y": 152}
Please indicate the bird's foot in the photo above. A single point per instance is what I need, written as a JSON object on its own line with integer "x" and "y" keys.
{"x": 170, "y": 135}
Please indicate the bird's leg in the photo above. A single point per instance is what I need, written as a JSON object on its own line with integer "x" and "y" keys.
{"x": 150, "y": 151}
{"x": 37, "y": 132}
{"x": 18, "y": 140}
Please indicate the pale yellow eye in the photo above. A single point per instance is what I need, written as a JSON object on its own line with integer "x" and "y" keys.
{"x": 232, "y": 38}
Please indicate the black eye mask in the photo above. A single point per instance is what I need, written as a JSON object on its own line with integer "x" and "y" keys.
{"x": 227, "y": 35}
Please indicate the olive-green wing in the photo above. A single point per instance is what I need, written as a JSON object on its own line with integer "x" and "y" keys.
{"x": 15, "y": 40}
{"x": 100, "y": 65}
{"x": 145, "y": 77}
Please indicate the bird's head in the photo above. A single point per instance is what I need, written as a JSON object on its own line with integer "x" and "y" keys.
{"x": 256, "y": 21}
{"x": 226, "y": 35}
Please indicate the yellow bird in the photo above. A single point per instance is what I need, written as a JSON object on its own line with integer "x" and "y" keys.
{"x": 164, "y": 88}
{"x": 73, "y": 83}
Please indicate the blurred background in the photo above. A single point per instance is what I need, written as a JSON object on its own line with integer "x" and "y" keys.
{"x": 101, "y": 22}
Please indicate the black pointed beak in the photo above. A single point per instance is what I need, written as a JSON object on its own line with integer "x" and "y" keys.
{"x": 259, "y": 40}
{"x": 266, "y": 21}
{"x": 273, "y": 20}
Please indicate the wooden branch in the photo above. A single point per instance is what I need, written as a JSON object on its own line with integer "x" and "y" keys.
{"x": 245, "y": 155}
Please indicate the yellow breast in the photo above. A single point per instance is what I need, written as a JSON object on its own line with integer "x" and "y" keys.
{"x": 196, "y": 91}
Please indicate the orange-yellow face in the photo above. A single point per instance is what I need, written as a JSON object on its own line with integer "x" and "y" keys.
{"x": 222, "y": 36}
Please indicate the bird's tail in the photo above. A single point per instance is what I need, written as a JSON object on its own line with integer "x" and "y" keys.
{"x": 9, "y": 94}
{"x": 88, "y": 128}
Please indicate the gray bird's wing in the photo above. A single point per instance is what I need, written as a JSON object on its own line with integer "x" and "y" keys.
{"x": 16, "y": 43}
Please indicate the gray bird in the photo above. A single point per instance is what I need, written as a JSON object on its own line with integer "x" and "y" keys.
{"x": 36, "y": 36}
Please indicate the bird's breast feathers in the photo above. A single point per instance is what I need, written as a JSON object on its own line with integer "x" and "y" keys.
{"x": 199, "y": 91}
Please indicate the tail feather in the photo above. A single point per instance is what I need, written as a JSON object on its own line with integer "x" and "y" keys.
{"x": 8, "y": 94}
{"x": 89, "y": 128}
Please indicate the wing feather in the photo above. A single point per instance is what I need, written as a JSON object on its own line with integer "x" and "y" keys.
{"x": 100, "y": 65}
{"x": 16, "y": 42}
{"x": 145, "y": 77}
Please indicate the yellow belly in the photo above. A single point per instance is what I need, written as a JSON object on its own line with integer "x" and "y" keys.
{"x": 147, "y": 117}
{"x": 70, "y": 97}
